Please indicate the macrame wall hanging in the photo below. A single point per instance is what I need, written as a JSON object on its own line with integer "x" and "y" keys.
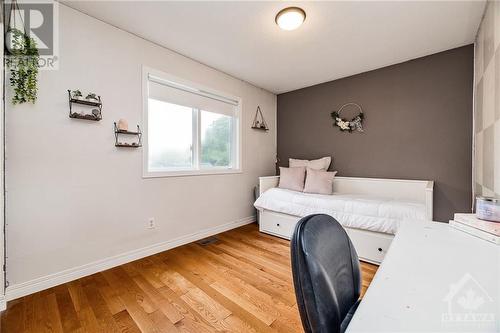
{"x": 345, "y": 125}
{"x": 258, "y": 121}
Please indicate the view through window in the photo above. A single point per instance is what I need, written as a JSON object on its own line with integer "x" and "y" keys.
{"x": 189, "y": 130}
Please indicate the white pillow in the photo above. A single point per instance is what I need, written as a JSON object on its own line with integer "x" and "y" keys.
{"x": 319, "y": 164}
{"x": 320, "y": 182}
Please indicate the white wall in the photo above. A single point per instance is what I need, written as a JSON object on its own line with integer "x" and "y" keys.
{"x": 73, "y": 198}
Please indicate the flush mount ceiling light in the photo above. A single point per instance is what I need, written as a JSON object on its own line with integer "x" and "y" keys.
{"x": 290, "y": 18}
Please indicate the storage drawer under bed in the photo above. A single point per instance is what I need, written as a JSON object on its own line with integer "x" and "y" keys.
{"x": 277, "y": 224}
{"x": 370, "y": 246}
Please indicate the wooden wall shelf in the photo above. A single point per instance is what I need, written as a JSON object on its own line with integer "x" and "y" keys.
{"x": 85, "y": 102}
{"x": 259, "y": 123}
{"x": 261, "y": 128}
{"x": 127, "y": 145}
{"x": 95, "y": 115}
{"x": 119, "y": 132}
{"x": 127, "y": 132}
{"x": 75, "y": 115}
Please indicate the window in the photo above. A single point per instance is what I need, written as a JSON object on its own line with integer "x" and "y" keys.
{"x": 189, "y": 130}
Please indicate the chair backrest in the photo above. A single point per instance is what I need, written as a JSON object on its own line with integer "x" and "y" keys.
{"x": 326, "y": 273}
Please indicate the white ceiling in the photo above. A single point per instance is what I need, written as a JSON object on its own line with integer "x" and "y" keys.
{"x": 337, "y": 39}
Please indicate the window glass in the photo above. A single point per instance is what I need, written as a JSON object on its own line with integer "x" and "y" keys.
{"x": 190, "y": 129}
{"x": 216, "y": 133}
{"x": 170, "y": 136}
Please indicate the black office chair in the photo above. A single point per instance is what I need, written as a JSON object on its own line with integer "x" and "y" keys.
{"x": 326, "y": 274}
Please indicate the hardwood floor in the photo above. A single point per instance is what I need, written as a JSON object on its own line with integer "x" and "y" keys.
{"x": 241, "y": 283}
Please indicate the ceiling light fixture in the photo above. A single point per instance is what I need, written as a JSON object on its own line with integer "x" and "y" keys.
{"x": 290, "y": 18}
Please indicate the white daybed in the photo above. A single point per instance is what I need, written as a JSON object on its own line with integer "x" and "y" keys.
{"x": 370, "y": 209}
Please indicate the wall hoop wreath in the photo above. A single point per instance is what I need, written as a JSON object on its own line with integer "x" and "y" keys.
{"x": 355, "y": 124}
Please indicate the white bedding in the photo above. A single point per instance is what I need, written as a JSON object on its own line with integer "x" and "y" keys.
{"x": 351, "y": 210}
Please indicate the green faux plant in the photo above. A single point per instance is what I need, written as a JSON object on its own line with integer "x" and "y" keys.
{"x": 77, "y": 94}
{"x": 92, "y": 96}
{"x": 22, "y": 60}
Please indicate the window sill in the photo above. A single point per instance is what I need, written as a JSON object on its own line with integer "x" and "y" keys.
{"x": 189, "y": 173}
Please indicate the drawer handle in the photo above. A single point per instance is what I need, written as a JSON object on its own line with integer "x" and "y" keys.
{"x": 277, "y": 224}
{"x": 379, "y": 249}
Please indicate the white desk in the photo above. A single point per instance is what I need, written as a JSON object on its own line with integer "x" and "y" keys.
{"x": 412, "y": 290}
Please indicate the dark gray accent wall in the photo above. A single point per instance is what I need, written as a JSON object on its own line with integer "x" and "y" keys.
{"x": 418, "y": 125}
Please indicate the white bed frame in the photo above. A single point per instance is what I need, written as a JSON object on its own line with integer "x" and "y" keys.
{"x": 371, "y": 246}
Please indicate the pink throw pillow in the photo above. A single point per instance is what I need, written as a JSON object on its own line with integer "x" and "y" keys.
{"x": 292, "y": 178}
{"x": 319, "y": 164}
{"x": 320, "y": 182}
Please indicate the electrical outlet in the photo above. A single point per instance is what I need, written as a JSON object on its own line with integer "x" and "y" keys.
{"x": 151, "y": 223}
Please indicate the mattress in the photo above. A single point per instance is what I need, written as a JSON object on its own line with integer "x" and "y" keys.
{"x": 351, "y": 210}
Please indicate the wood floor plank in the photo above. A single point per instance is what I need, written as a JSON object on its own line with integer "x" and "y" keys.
{"x": 17, "y": 323}
{"x": 281, "y": 254}
{"x": 137, "y": 305}
{"x": 125, "y": 322}
{"x": 192, "y": 321}
{"x": 29, "y": 313}
{"x": 53, "y": 314}
{"x": 69, "y": 317}
{"x": 257, "y": 310}
{"x": 163, "y": 305}
{"x": 86, "y": 317}
{"x": 227, "y": 303}
{"x": 132, "y": 290}
{"x": 241, "y": 297}
{"x": 254, "y": 279}
{"x": 240, "y": 283}
{"x": 276, "y": 285}
{"x": 237, "y": 267}
{"x": 99, "y": 307}
{"x": 194, "y": 326}
{"x": 76, "y": 293}
{"x": 207, "y": 308}
{"x": 109, "y": 294}
{"x": 264, "y": 265}
{"x": 174, "y": 281}
{"x": 267, "y": 258}
{"x": 162, "y": 322}
{"x": 263, "y": 243}
{"x": 239, "y": 326}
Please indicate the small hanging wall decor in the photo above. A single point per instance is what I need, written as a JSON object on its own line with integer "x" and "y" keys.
{"x": 121, "y": 131}
{"x": 258, "y": 121}
{"x": 91, "y": 100}
{"x": 355, "y": 124}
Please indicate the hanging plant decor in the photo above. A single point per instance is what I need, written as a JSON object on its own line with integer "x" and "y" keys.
{"x": 22, "y": 58}
{"x": 345, "y": 125}
{"x": 22, "y": 61}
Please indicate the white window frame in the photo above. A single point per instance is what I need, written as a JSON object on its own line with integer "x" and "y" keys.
{"x": 236, "y": 165}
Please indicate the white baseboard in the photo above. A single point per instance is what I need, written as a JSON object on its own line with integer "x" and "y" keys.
{"x": 3, "y": 304}
{"x": 45, "y": 282}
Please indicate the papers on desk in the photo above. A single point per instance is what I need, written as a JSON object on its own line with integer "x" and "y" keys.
{"x": 469, "y": 223}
